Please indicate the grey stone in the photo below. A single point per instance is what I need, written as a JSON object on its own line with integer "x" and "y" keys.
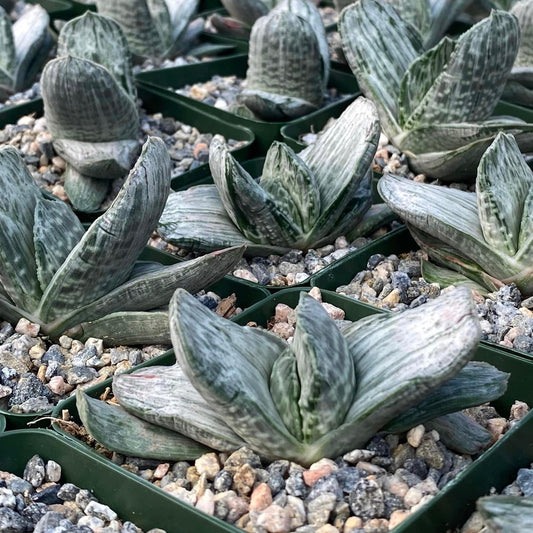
{"x": 366, "y": 500}
{"x": 13, "y": 522}
{"x": 78, "y": 375}
{"x": 53, "y": 354}
{"x": 68, "y": 492}
{"x": 326, "y": 484}
{"x": 35, "y": 471}
{"x": 525, "y": 481}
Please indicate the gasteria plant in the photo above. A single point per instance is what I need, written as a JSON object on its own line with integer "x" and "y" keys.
{"x": 243, "y": 14}
{"x": 302, "y": 200}
{"x": 55, "y": 274}
{"x": 435, "y": 106}
{"x": 519, "y": 88}
{"x": 24, "y": 48}
{"x": 506, "y": 514}
{"x": 90, "y": 107}
{"x": 288, "y": 62}
{"x": 153, "y": 28}
{"x": 325, "y": 394}
{"x": 487, "y": 236}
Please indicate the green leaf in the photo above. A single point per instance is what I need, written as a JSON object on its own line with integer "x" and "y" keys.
{"x": 415, "y": 12}
{"x": 325, "y": 368}
{"x": 376, "y": 217}
{"x": 86, "y": 194}
{"x": 181, "y": 13}
{"x": 117, "y": 430}
{"x": 164, "y": 396}
{"x": 446, "y": 277}
{"x": 523, "y": 12}
{"x": 379, "y": 47}
{"x": 247, "y": 11}
{"x": 476, "y": 384}
{"x": 507, "y": 514}
{"x": 84, "y": 102}
{"x": 233, "y": 379}
{"x": 161, "y": 21}
{"x": 105, "y": 256}
{"x": 55, "y": 233}
{"x": 8, "y": 59}
{"x": 101, "y": 40}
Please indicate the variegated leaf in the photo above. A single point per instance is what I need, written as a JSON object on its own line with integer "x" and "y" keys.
{"x": 80, "y": 88}
{"x": 445, "y": 277}
{"x": 459, "y": 432}
{"x": 518, "y": 93}
{"x": 285, "y": 71}
{"x": 471, "y": 83}
{"x": 247, "y": 11}
{"x": 33, "y": 43}
{"x": 415, "y": 12}
{"x": 8, "y": 60}
{"x": 379, "y": 47}
{"x": 181, "y": 13}
{"x": 117, "y": 430}
{"x": 11, "y": 312}
{"x": 325, "y": 369}
{"x": 234, "y": 378}
{"x": 443, "y": 13}
{"x": 525, "y": 243}
{"x": 101, "y": 40}
{"x": 400, "y": 359}
{"x": 105, "y": 256}
{"x": 506, "y": 514}
{"x": 164, "y": 396}
{"x": 503, "y": 183}
{"x": 476, "y": 384}
{"x": 162, "y": 22}
{"x": 376, "y": 217}
{"x": 523, "y": 11}
{"x": 56, "y": 231}
{"x": 86, "y": 194}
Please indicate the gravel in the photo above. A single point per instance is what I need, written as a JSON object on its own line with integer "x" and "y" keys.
{"x": 39, "y": 502}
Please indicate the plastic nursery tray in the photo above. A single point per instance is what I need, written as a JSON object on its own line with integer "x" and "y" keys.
{"x": 133, "y": 500}
{"x": 170, "y": 79}
{"x": 2, "y": 423}
{"x": 57, "y": 9}
{"x": 397, "y": 242}
{"x": 451, "y": 506}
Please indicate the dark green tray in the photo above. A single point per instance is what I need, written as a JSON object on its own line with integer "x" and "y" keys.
{"x": 78, "y": 8}
{"x": 133, "y": 500}
{"x": 167, "y": 80}
{"x": 2, "y": 423}
{"x": 57, "y": 9}
{"x": 452, "y": 506}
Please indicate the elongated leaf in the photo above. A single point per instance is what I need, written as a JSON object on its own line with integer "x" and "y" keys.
{"x": 325, "y": 368}
{"x": 503, "y": 183}
{"x": 446, "y": 277}
{"x": 117, "y": 430}
{"x": 101, "y": 40}
{"x": 524, "y": 13}
{"x": 161, "y": 21}
{"x": 443, "y": 13}
{"x": 247, "y": 11}
{"x": 518, "y": 93}
{"x": 84, "y": 102}
{"x": 460, "y": 433}
{"x": 234, "y": 378}
{"x": 164, "y": 396}
{"x": 473, "y": 80}
{"x": 376, "y": 217}
{"x": 56, "y": 231}
{"x": 181, "y": 13}
{"x": 86, "y": 194}
{"x": 8, "y": 59}
{"x": 105, "y": 256}
{"x": 137, "y": 23}
{"x": 379, "y": 47}
{"x": 475, "y": 384}
{"x": 525, "y": 252}
{"x": 400, "y": 359}
{"x": 507, "y": 514}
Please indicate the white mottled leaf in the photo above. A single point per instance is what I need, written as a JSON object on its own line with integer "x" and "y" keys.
{"x": 86, "y": 194}
{"x": 506, "y": 514}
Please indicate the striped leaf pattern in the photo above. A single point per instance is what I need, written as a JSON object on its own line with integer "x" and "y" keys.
{"x": 247, "y": 11}
{"x": 506, "y": 514}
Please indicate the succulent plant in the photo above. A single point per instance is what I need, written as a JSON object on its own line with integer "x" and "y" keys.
{"x": 506, "y": 514}
{"x": 242, "y": 16}
{"x": 153, "y": 28}
{"x": 325, "y": 394}
{"x": 8, "y": 5}
{"x": 288, "y": 62}
{"x": 56, "y": 274}
{"x": 24, "y": 48}
{"x": 435, "y": 106}
{"x": 301, "y": 201}
{"x": 485, "y": 236}
{"x": 90, "y": 107}
{"x": 519, "y": 88}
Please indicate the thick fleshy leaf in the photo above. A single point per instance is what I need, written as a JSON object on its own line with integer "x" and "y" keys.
{"x": 56, "y": 231}
{"x": 523, "y": 11}
{"x": 518, "y": 93}
{"x": 379, "y": 47}
{"x": 234, "y": 378}
{"x": 507, "y": 514}
{"x": 525, "y": 252}
{"x": 117, "y": 430}
{"x": 8, "y": 58}
{"x": 99, "y": 160}
{"x": 400, "y": 359}
{"x": 83, "y": 101}
{"x": 164, "y": 396}
{"x": 32, "y": 45}
{"x": 443, "y": 13}
{"x": 284, "y": 61}
{"x": 376, "y": 217}
{"x": 475, "y": 384}
{"x": 181, "y": 13}
{"x": 325, "y": 368}
{"x": 415, "y": 12}
{"x": 18, "y": 269}
{"x": 161, "y": 20}
{"x": 105, "y": 256}
{"x": 247, "y": 11}
{"x": 99, "y": 39}
{"x": 503, "y": 183}
{"x": 460, "y": 433}
{"x": 86, "y": 194}
{"x": 471, "y": 83}
{"x": 445, "y": 277}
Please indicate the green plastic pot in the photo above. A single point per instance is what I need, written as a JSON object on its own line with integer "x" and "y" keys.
{"x": 57, "y": 9}
{"x": 167, "y": 80}
{"x": 452, "y": 506}
{"x": 133, "y": 500}
{"x": 397, "y": 242}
